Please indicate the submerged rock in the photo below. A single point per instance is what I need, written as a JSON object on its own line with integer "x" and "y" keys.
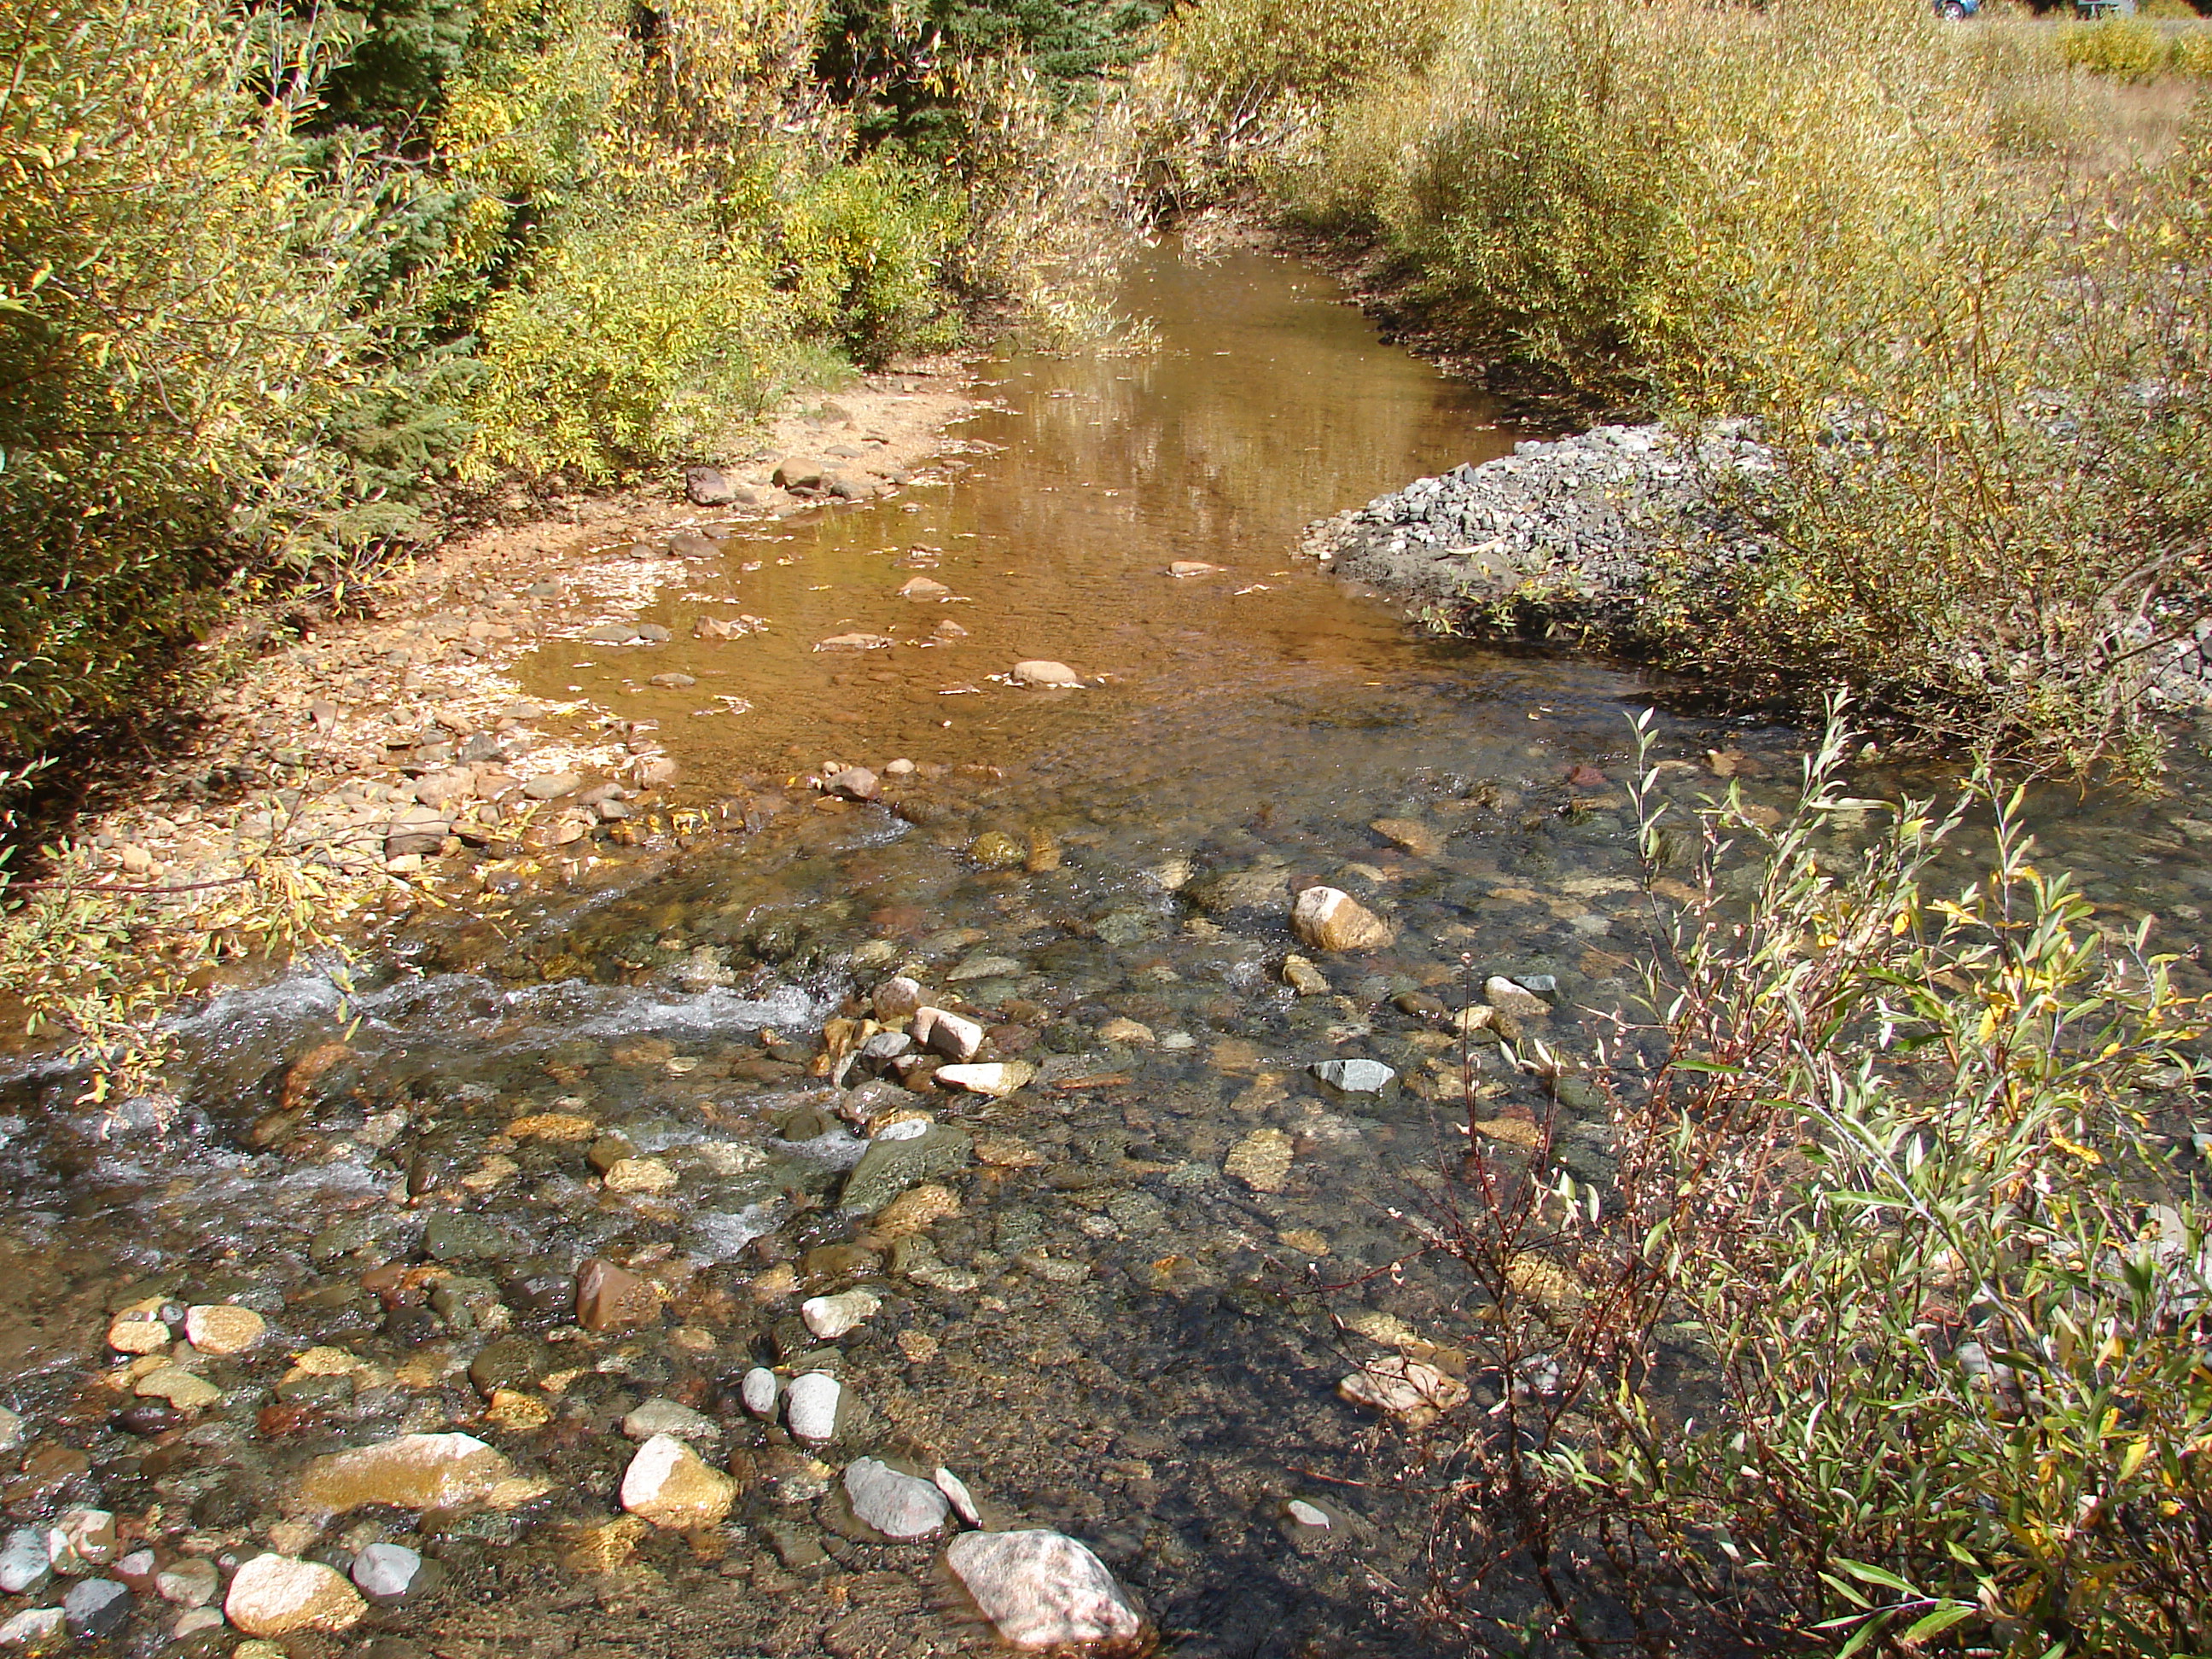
{"x": 667, "y": 1484}
{"x": 1503, "y": 994}
{"x": 1402, "y": 1387}
{"x": 890, "y": 1165}
{"x": 899, "y": 1506}
{"x": 414, "y": 1472}
{"x": 1042, "y": 1588}
{"x": 277, "y": 1595}
{"x": 1261, "y": 1160}
{"x": 1410, "y": 835}
{"x": 658, "y": 1417}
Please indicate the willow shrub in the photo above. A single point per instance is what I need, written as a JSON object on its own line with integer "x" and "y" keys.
{"x": 2137, "y": 49}
{"x": 1888, "y": 1332}
{"x": 181, "y": 318}
{"x": 1978, "y": 363}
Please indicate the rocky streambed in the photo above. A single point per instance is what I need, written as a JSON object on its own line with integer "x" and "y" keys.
{"x": 959, "y": 1191}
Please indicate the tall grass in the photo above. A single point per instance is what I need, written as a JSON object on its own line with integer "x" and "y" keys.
{"x": 1969, "y": 330}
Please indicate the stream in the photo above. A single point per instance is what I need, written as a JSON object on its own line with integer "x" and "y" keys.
{"x": 1113, "y": 1302}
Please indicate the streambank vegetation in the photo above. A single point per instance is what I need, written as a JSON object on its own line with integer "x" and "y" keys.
{"x": 1954, "y": 275}
{"x": 1887, "y": 1332}
{"x": 279, "y": 285}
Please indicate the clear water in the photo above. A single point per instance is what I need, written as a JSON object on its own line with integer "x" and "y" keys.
{"x": 1133, "y": 1342}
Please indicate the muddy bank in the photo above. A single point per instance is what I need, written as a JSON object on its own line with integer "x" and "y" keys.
{"x": 370, "y": 744}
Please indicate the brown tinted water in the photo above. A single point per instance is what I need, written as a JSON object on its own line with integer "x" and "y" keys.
{"x": 1268, "y": 402}
{"x": 1126, "y": 1329}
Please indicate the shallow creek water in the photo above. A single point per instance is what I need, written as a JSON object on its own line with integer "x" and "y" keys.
{"x": 1116, "y": 1320}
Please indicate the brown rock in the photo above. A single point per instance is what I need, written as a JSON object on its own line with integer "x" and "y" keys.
{"x": 1329, "y": 919}
{"x": 922, "y": 587}
{"x": 608, "y": 1298}
{"x": 1042, "y": 670}
{"x": 855, "y": 643}
{"x": 708, "y": 486}
{"x": 896, "y": 998}
{"x": 1412, "y": 834}
{"x": 800, "y": 472}
{"x": 854, "y": 783}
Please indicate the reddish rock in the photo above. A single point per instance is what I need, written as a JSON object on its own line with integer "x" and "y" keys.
{"x": 610, "y": 1298}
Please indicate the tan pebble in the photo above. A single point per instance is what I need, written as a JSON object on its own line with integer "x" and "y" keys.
{"x": 640, "y": 1174}
{"x": 1402, "y": 1387}
{"x": 139, "y": 1328}
{"x": 918, "y": 1347}
{"x": 326, "y": 1361}
{"x": 180, "y": 1387}
{"x": 1410, "y": 834}
{"x": 1003, "y": 1151}
{"x": 511, "y": 1409}
{"x": 1261, "y": 1160}
{"x": 781, "y": 1280}
{"x": 913, "y": 1211}
{"x": 278, "y": 1596}
{"x": 218, "y": 1327}
{"x": 1328, "y": 919}
{"x": 1544, "y": 1281}
{"x": 997, "y": 1080}
{"x": 414, "y": 1472}
{"x": 1515, "y": 1132}
{"x": 607, "y": 1546}
{"x": 668, "y": 1485}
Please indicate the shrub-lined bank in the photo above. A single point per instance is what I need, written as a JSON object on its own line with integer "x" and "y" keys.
{"x": 1953, "y": 279}
{"x": 276, "y": 282}
{"x": 1585, "y": 537}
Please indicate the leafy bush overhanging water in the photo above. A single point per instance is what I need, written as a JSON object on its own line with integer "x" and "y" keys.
{"x": 1891, "y": 1330}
